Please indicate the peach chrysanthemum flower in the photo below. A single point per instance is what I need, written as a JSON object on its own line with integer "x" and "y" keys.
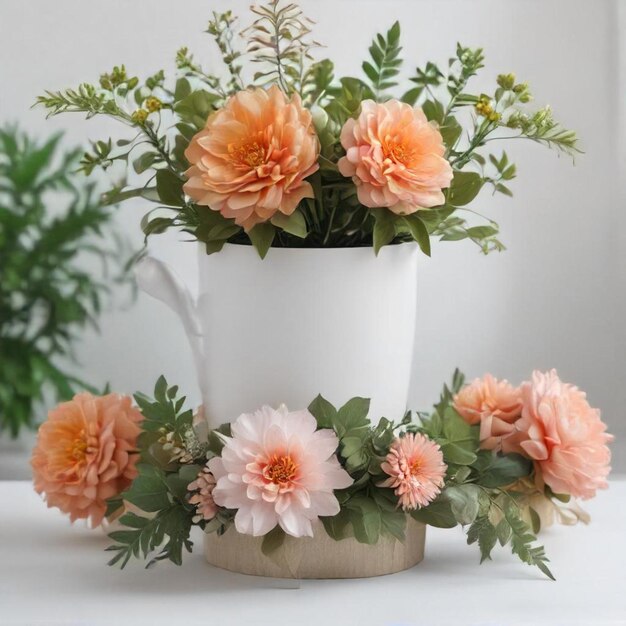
{"x": 563, "y": 435}
{"x": 86, "y": 453}
{"x": 395, "y": 157}
{"x": 203, "y": 497}
{"x": 278, "y": 469}
{"x": 250, "y": 160}
{"x": 492, "y": 403}
{"x": 416, "y": 470}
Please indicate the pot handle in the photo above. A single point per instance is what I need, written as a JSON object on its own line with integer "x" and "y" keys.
{"x": 158, "y": 280}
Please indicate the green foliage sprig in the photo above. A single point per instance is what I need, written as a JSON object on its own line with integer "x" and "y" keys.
{"x": 46, "y": 295}
{"x": 278, "y": 44}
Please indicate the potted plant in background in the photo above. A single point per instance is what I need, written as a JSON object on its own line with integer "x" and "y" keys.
{"x": 311, "y": 196}
{"x": 48, "y": 223}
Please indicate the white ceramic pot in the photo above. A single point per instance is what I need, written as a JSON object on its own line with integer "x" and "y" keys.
{"x": 335, "y": 321}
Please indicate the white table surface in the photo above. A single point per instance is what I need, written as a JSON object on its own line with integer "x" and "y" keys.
{"x": 52, "y": 573}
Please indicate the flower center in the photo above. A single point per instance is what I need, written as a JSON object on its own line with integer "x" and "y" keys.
{"x": 398, "y": 152}
{"x": 415, "y": 468}
{"x": 251, "y": 153}
{"x": 77, "y": 450}
{"x": 280, "y": 470}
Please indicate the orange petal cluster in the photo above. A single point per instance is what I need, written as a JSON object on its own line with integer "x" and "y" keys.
{"x": 251, "y": 159}
{"x": 86, "y": 453}
{"x": 395, "y": 157}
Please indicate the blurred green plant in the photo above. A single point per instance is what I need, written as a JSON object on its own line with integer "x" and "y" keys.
{"x": 49, "y": 225}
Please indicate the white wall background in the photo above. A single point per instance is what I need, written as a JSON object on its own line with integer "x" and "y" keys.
{"x": 554, "y": 299}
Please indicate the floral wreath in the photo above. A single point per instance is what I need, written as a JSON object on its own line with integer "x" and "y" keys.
{"x": 494, "y": 458}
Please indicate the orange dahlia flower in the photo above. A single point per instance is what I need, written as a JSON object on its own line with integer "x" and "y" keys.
{"x": 250, "y": 160}
{"x": 395, "y": 157}
{"x": 85, "y": 454}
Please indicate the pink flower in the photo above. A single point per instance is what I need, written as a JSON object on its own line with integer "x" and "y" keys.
{"x": 494, "y": 404}
{"x": 416, "y": 470}
{"x": 203, "y": 486}
{"x": 395, "y": 157}
{"x": 250, "y": 160}
{"x": 563, "y": 435}
{"x": 278, "y": 469}
{"x": 86, "y": 453}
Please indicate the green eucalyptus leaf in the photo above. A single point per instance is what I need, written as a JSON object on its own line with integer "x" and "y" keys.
{"x": 504, "y": 470}
{"x": 464, "y": 501}
{"x": 465, "y": 187}
{"x": 438, "y": 513}
{"x": 170, "y": 188}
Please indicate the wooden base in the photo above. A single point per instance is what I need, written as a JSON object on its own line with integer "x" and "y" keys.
{"x": 317, "y": 557}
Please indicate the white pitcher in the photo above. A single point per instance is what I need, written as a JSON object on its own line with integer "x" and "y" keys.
{"x": 335, "y": 321}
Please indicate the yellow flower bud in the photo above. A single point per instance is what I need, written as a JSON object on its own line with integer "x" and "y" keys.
{"x": 153, "y": 104}
{"x": 139, "y": 116}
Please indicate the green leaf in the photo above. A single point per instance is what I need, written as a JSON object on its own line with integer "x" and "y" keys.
{"x": 535, "y": 520}
{"x": 384, "y": 52}
{"x": 504, "y": 470}
{"x": 522, "y": 540}
{"x": 503, "y": 531}
{"x": 482, "y": 232}
{"x": 438, "y": 513}
{"x": 324, "y": 412}
{"x": 273, "y": 542}
{"x": 178, "y": 482}
{"x": 483, "y": 531}
{"x": 182, "y": 90}
{"x": 350, "y": 446}
{"x": 465, "y": 187}
{"x": 353, "y": 416}
{"x": 418, "y": 231}
{"x": 454, "y": 453}
{"x": 170, "y": 188}
{"x": 366, "y": 519}
{"x": 195, "y": 108}
{"x": 412, "y": 95}
{"x": 339, "y": 526}
{"x": 464, "y": 502}
{"x": 149, "y": 491}
{"x": 144, "y": 162}
{"x": 434, "y": 111}
{"x": 450, "y": 131}
{"x": 262, "y": 236}
{"x": 294, "y": 224}
{"x": 384, "y": 228}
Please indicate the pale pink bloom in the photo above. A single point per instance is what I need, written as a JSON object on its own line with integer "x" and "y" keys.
{"x": 492, "y": 403}
{"x": 203, "y": 486}
{"x": 250, "y": 160}
{"x": 395, "y": 157}
{"x": 416, "y": 470}
{"x": 563, "y": 435}
{"x": 86, "y": 453}
{"x": 277, "y": 468}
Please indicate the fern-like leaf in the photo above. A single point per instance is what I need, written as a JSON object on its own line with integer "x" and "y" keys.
{"x": 386, "y": 61}
{"x": 521, "y": 542}
{"x": 483, "y": 532}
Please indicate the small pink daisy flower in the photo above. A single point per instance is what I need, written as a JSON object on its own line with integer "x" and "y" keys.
{"x": 416, "y": 470}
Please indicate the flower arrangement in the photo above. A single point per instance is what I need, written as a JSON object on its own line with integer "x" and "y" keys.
{"x": 499, "y": 460}
{"x": 293, "y": 156}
